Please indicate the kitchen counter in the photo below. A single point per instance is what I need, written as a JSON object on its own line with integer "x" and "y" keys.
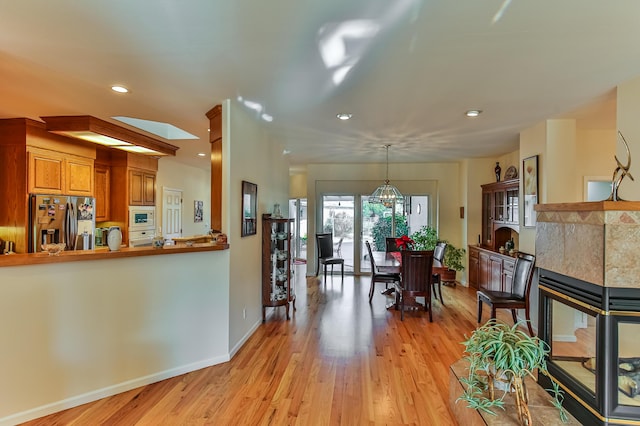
{"x": 104, "y": 253}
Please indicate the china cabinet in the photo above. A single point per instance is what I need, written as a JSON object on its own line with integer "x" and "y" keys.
{"x": 277, "y": 275}
{"x": 500, "y": 212}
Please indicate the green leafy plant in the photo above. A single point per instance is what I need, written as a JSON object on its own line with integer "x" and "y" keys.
{"x": 382, "y": 229}
{"x": 426, "y": 238}
{"x": 499, "y": 353}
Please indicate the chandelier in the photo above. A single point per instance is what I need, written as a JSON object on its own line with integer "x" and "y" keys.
{"x": 386, "y": 194}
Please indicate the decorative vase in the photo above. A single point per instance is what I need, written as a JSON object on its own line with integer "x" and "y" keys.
{"x": 114, "y": 240}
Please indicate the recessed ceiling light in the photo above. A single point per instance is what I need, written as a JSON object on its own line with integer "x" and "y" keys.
{"x": 473, "y": 112}
{"x": 202, "y": 154}
{"x": 120, "y": 89}
{"x": 344, "y": 116}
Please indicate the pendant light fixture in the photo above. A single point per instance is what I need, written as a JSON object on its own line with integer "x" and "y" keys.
{"x": 386, "y": 194}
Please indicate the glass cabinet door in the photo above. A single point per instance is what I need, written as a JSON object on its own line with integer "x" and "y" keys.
{"x": 487, "y": 218}
{"x": 498, "y": 206}
{"x": 512, "y": 206}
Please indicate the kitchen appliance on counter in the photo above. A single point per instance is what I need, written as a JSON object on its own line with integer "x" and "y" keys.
{"x": 61, "y": 219}
{"x": 142, "y": 225}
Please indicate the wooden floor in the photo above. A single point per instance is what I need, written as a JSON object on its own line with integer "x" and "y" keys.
{"x": 338, "y": 361}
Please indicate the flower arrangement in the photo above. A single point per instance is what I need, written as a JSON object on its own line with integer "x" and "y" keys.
{"x": 404, "y": 243}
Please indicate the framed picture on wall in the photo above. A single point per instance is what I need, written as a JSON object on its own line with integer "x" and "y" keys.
{"x": 198, "y": 210}
{"x": 530, "y": 189}
{"x": 249, "y": 208}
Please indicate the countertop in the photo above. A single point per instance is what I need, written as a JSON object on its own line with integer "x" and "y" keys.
{"x": 104, "y": 253}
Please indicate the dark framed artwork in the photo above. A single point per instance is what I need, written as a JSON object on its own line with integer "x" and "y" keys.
{"x": 249, "y": 208}
{"x": 198, "y": 207}
{"x": 530, "y": 189}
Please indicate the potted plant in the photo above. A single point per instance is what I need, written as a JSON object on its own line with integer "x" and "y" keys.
{"x": 502, "y": 356}
{"x": 426, "y": 238}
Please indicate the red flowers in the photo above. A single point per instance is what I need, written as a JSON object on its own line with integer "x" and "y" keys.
{"x": 404, "y": 243}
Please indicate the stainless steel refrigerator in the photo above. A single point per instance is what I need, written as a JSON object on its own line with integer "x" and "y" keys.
{"x": 61, "y": 219}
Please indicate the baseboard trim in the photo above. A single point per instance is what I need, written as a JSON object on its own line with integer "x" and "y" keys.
{"x": 97, "y": 394}
{"x": 244, "y": 339}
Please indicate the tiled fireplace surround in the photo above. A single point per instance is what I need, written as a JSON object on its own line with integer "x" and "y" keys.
{"x": 589, "y": 260}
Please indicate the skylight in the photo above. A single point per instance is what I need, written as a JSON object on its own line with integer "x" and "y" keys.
{"x": 164, "y": 130}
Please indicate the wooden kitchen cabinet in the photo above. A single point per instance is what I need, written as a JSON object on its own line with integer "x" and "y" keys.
{"x": 51, "y": 172}
{"x": 474, "y": 267}
{"x": 102, "y": 182}
{"x": 45, "y": 172}
{"x": 142, "y": 188}
{"x": 79, "y": 176}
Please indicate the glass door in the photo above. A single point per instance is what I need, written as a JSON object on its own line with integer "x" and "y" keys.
{"x": 338, "y": 217}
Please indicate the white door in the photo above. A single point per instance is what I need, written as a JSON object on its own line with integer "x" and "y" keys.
{"x": 171, "y": 213}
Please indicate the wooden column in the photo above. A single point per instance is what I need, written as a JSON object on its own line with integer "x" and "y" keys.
{"x": 215, "y": 138}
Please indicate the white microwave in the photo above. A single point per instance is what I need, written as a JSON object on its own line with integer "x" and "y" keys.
{"x": 142, "y": 218}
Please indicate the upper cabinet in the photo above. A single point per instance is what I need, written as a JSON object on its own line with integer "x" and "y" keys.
{"x": 102, "y": 181}
{"x": 55, "y": 172}
{"x": 500, "y": 212}
{"x": 142, "y": 187}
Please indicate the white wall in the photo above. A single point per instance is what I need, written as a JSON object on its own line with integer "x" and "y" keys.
{"x": 76, "y": 332}
{"x": 444, "y": 176}
{"x": 195, "y": 184}
{"x": 254, "y": 158}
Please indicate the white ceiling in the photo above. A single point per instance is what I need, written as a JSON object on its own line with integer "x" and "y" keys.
{"x": 415, "y": 67}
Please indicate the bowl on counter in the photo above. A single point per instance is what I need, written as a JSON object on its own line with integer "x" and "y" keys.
{"x": 54, "y": 249}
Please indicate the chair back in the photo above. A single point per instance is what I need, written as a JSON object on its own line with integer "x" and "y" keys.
{"x": 390, "y": 245}
{"x": 373, "y": 262}
{"x": 416, "y": 270}
{"x": 324, "y": 243}
{"x": 438, "y": 252}
{"x": 523, "y": 275}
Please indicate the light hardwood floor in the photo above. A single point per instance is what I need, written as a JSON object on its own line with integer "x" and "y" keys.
{"x": 338, "y": 361}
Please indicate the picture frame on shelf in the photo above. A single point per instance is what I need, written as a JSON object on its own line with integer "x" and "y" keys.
{"x": 249, "y": 208}
{"x": 530, "y": 189}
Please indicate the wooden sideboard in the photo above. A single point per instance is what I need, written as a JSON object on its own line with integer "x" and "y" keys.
{"x": 490, "y": 270}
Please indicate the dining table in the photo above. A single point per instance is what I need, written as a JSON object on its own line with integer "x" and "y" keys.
{"x": 391, "y": 263}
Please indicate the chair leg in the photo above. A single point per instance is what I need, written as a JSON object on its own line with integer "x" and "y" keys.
{"x": 479, "y": 311}
{"x": 371, "y": 289}
{"x": 493, "y": 312}
{"x": 401, "y": 308}
{"x": 429, "y": 296}
{"x": 325, "y": 273}
{"x": 514, "y": 316}
{"x": 526, "y": 315}
{"x": 342, "y": 271}
{"x": 317, "y": 266}
{"x": 440, "y": 292}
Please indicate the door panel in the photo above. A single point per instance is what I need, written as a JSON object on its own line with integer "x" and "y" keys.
{"x": 172, "y": 213}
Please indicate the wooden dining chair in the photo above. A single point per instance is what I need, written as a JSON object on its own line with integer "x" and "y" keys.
{"x": 324, "y": 246}
{"x": 518, "y": 297}
{"x": 379, "y": 277}
{"x": 415, "y": 280}
{"x": 390, "y": 244}
{"x": 438, "y": 256}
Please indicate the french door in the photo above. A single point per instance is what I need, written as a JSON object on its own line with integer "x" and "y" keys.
{"x": 353, "y": 220}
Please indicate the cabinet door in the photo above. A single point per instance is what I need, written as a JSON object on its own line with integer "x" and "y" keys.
{"x": 498, "y": 206}
{"x": 495, "y": 282}
{"x": 484, "y": 270}
{"x": 136, "y": 194}
{"x": 474, "y": 270}
{"x": 487, "y": 218}
{"x": 102, "y": 184}
{"x": 149, "y": 189}
{"x": 507, "y": 274}
{"x": 79, "y": 176}
{"x": 46, "y": 173}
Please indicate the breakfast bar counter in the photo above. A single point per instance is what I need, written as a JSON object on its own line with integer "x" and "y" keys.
{"x": 104, "y": 253}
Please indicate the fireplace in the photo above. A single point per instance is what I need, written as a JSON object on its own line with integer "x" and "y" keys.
{"x": 589, "y": 307}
